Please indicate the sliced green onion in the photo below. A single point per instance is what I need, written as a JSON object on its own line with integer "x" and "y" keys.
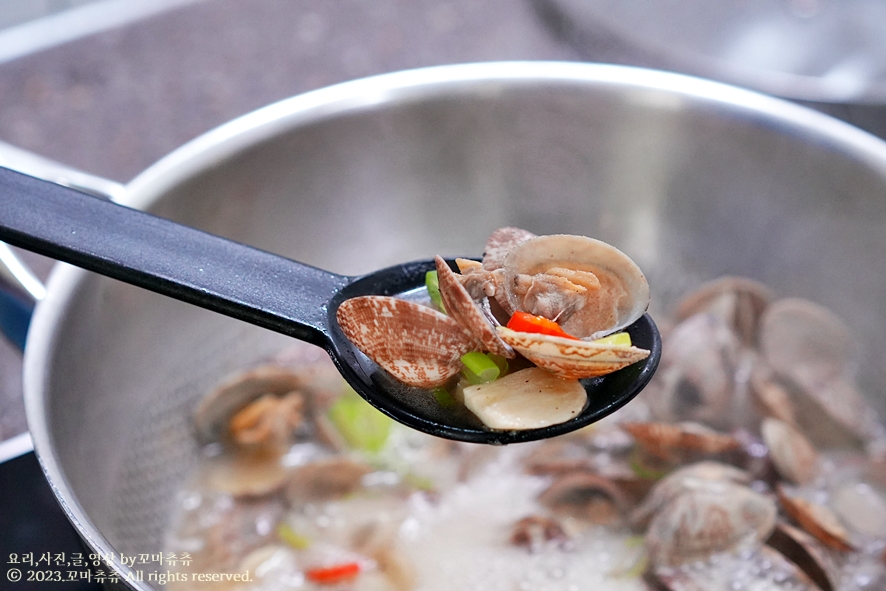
{"x": 444, "y": 398}
{"x": 291, "y": 537}
{"x": 618, "y": 339}
{"x": 362, "y": 426}
{"x": 432, "y": 283}
{"x": 500, "y": 361}
{"x": 643, "y": 471}
{"x": 419, "y": 482}
{"x": 479, "y": 368}
{"x": 635, "y": 568}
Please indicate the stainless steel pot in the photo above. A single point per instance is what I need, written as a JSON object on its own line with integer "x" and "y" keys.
{"x": 691, "y": 178}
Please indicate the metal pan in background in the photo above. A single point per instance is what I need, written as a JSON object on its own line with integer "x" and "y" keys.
{"x": 828, "y": 54}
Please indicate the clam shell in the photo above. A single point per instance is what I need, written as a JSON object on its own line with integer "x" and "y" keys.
{"x": 215, "y": 410}
{"x": 681, "y": 480}
{"x": 771, "y": 398}
{"x": 737, "y": 300}
{"x": 461, "y": 307}
{"x": 709, "y": 518}
{"x": 623, "y": 295}
{"x": 805, "y": 341}
{"x": 697, "y": 373}
{"x": 764, "y": 569}
{"x": 268, "y": 421}
{"x": 416, "y": 344}
{"x": 810, "y": 349}
{"x": 247, "y": 474}
{"x": 587, "y": 496}
{"x": 793, "y": 455}
{"x": 662, "y": 439}
{"x": 817, "y": 520}
{"x": 500, "y": 243}
{"x": 569, "y": 358}
{"x": 325, "y": 479}
{"x": 807, "y": 553}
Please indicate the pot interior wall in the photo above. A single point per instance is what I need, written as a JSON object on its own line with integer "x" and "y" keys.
{"x": 690, "y": 188}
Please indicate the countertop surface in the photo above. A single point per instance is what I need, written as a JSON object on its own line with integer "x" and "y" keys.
{"x": 114, "y": 102}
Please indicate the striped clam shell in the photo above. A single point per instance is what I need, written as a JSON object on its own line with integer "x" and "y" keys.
{"x": 416, "y": 344}
{"x": 569, "y": 358}
{"x": 462, "y": 308}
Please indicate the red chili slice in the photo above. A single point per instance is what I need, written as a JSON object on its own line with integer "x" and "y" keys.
{"x": 525, "y": 322}
{"x": 329, "y": 575}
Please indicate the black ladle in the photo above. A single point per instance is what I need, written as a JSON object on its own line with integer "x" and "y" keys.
{"x": 269, "y": 291}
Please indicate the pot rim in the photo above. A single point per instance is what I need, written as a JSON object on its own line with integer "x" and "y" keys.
{"x": 667, "y": 89}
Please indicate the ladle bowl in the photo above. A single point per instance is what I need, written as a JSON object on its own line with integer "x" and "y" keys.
{"x": 270, "y": 291}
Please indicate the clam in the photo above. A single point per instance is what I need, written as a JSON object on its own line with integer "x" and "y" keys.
{"x": 707, "y": 518}
{"x": 861, "y": 507}
{"x": 765, "y": 569}
{"x": 809, "y": 349}
{"x": 816, "y": 519}
{"x": 589, "y": 287}
{"x": 739, "y": 301}
{"x": 325, "y": 480}
{"x": 463, "y": 309}
{"x": 772, "y": 398}
{"x": 247, "y": 474}
{"x": 793, "y": 455}
{"x": 268, "y": 421}
{"x": 697, "y": 375}
{"x": 417, "y": 345}
{"x": 270, "y": 417}
{"x": 571, "y": 359}
{"x": 585, "y": 496}
{"x": 682, "y": 479}
{"x": 806, "y": 552}
{"x": 556, "y": 457}
{"x": 501, "y": 242}
{"x": 674, "y": 440}
{"x": 227, "y": 530}
{"x": 477, "y": 281}
{"x": 805, "y": 341}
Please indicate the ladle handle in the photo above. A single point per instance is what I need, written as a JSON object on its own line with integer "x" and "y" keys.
{"x": 177, "y": 261}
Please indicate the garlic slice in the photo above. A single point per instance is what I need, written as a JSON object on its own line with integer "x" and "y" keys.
{"x": 531, "y": 398}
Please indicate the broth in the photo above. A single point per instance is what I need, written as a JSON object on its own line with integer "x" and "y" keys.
{"x": 724, "y": 474}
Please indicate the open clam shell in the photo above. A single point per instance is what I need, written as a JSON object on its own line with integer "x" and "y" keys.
{"x": 417, "y": 345}
{"x": 463, "y": 309}
{"x": 570, "y": 358}
{"x": 816, "y": 519}
{"x": 793, "y": 455}
{"x": 706, "y": 518}
{"x": 739, "y": 301}
{"x": 213, "y": 415}
{"x": 500, "y": 243}
{"x": 621, "y": 297}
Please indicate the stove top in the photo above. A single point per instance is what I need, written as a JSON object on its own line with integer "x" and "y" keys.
{"x": 39, "y": 548}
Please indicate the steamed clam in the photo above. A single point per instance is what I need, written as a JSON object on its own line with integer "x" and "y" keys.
{"x": 729, "y": 478}
{"x": 589, "y": 287}
{"x": 584, "y": 288}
